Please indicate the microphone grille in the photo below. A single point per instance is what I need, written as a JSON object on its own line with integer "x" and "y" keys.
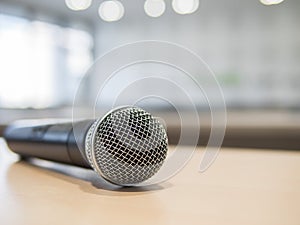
{"x": 127, "y": 146}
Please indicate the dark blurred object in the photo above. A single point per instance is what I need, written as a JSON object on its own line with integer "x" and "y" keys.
{"x": 245, "y": 129}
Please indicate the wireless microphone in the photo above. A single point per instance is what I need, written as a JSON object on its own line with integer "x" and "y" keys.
{"x": 126, "y": 147}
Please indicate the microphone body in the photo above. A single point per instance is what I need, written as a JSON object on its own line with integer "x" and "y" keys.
{"x": 126, "y": 147}
{"x": 55, "y": 142}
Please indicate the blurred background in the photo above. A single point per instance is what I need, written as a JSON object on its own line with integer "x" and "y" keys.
{"x": 252, "y": 46}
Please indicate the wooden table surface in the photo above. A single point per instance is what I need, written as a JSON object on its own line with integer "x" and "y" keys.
{"x": 243, "y": 186}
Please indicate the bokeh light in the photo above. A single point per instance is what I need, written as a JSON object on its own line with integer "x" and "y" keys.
{"x": 185, "y": 6}
{"x": 78, "y": 5}
{"x": 111, "y": 11}
{"x": 271, "y": 2}
{"x": 154, "y": 8}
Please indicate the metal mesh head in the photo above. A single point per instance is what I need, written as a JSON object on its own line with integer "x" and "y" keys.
{"x": 127, "y": 146}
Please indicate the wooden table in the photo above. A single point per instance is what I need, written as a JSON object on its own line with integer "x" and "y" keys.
{"x": 243, "y": 186}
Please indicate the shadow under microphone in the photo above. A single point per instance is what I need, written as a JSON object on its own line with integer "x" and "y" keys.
{"x": 126, "y": 147}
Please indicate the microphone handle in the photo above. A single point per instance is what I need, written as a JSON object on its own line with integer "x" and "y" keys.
{"x": 55, "y": 142}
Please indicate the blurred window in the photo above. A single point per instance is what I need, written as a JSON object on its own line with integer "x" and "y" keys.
{"x": 41, "y": 63}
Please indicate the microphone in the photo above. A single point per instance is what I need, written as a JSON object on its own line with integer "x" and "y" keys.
{"x": 125, "y": 147}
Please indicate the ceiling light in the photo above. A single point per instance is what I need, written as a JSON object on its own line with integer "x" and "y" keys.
{"x": 271, "y": 2}
{"x": 185, "y": 6}
{"x": 78, "y": 5}
{"x": 154, "y": 8}
{"x": 111, "y": 10}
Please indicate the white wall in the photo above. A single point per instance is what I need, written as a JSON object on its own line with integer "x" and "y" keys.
{"x": 253, "y": 49}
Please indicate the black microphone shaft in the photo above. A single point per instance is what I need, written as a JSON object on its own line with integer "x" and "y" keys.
{"x": 55, "y": 142}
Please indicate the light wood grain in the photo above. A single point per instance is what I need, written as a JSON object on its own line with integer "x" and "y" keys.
{"x": 241, "y": 187}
